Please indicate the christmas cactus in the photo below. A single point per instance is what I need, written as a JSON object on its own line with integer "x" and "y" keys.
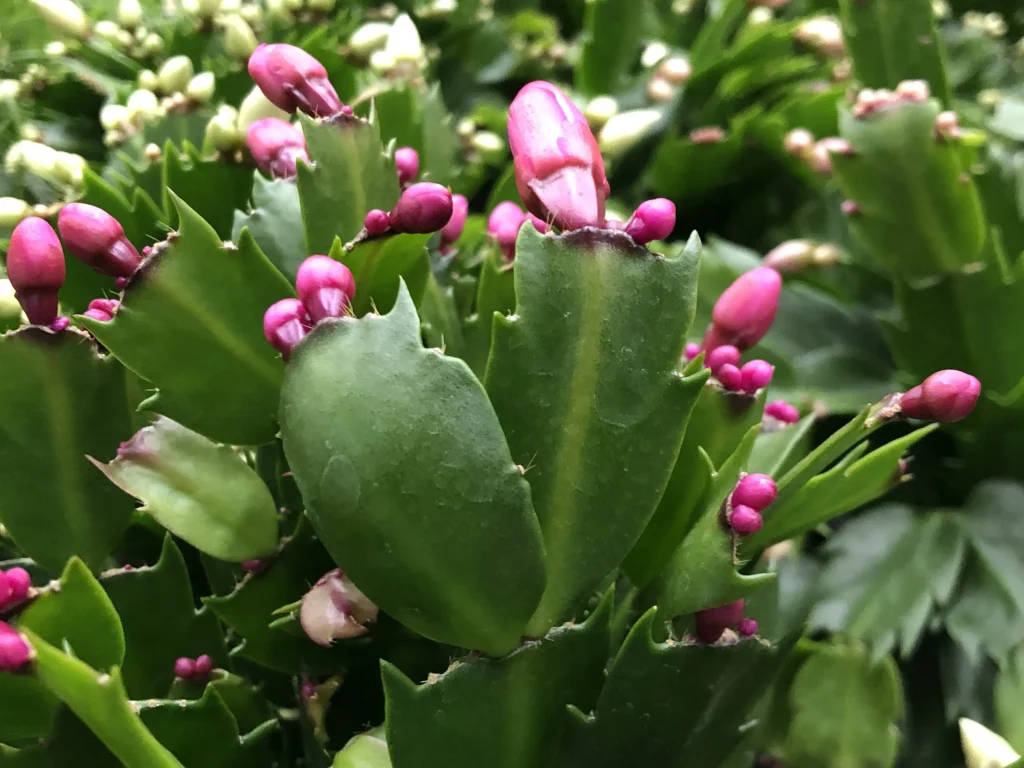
{"x": 406, "y": 387}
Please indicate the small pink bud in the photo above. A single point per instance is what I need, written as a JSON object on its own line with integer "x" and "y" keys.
{"x": 307, "y": 690}
{"x": 285, "y": 324}
{"x": 945, "y": 396}
{"x": 653, "y": 220}
{"x": 252, "y": 566}
{"x": 744, "y": 313}
{"x": 506, "y": 215}
{"x": 184, "y": 668}
{"x": 559, "y": 169}
{"x": 407, "y": 163}
{"x": 745, "y": 521}
{"x": 757, "y": 374}
{"x": 292, "y": 79}
{"x": 35, "y": 267}
{"x": 120, "y": 283}
{"x": 376, "y": 222}
{"x": 783, "y": 411}
{"x": 460, "y": 211}
{"x": 6, "y": 590}
{"x": 713, "y": 621}
{"x": 849, "y": 208}
{"x": 756, "y": 491}
{"x": 729, "y": 377}
{"x": 60, "y": 324}
{"x": 203, "y": 666}
{"x": 102, "y": 309}
{"x": 325, "y": 287}
{"x": 96, "y": 238}
{"x": 422, "y": 208}
{"x": 723, "y": 355}
{"x": 692, "y": 350}
{"x": 15, "y": 652}
{"x": 747, "y": 627}
{"x": 20, "y": 582}
{"x": 276, "y": 146}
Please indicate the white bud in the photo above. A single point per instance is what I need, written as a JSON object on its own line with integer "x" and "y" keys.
{"x": 255, "y": 107}
{"x": 382, "y": 62}
{"x": 9, "y": 90}
{"x": 153, "y": 152}
{"x": 625, "y": 129}
{"x": 798, "y": 141}
{"x": 600, "y": 110}
{"x": 201, "y": 87}
{"x": 369, "y": 38}
{"x": 129, "y": 13}
{"x": 153, "y": 44}
{"x": 175, "y": 73}
{"x": 69, "y": 168}
{"x": 760, "y": 15}
{"x": 147, "y": 79}
{"x": 108, "y": 30}
{"x": 113, "y": 116}
{"x": 239, "y": 39}
{"x": 13, "y": 210}
{"x": 31, "y": 132}
{"x": 676, "y": 70}
{"x": 983, "y": 748}
{"x": 404, "y": 44}
{"x": 489, "y": 145}
{"x": 142, "y": 105}
{"x": 55, "y": 49}
{"x": 65, "y": 16}
{"x": 652, "y": 54}
{"x": 659, "y": 90}
{"x": 823, "y": 33}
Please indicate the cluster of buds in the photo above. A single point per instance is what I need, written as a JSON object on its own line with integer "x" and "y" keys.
{"x": 945, "y": 396}
{"x": 290, "y": 12}
{"x": 794, "y": 256}
{"x": 15, "y": 652}
{"x": 504, "y": 223}
{"x": 193, "y": 670}
{"x": 823, "y": 34}
{"x": 665, "y": 81}
{"x": 325, "y": 287}
{"x": 394, "y": 50}
{"x": 478, "y": 145}
{"x": 779, "y": 412}
{"x": 335, "y": 609}
{"x": 293, "y": 80}
{"x": 870, "y": 101}
{"x": 800, "y": 143}
{"x": 751, "y": 496}
{"x": 990, "y": 24}
{"x": 712, "y": 623}
{"x": 61, "y": 169}
{"x": 724, "y": 362}
{"x": 15, "y": 586}
{"x": 102, "y": 310}
{"x": 276, "y": 146}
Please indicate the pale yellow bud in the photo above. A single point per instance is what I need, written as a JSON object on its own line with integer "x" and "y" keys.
{"x": 13, "y": 210}
{"x": 175, "y": 74}
{"x": 201, "y": 87}
{"x": 239, "y": 39}
{"x": 255, "y": 107}
{"x": 625, "y": 129}
{"x": 368, "y": 38}
{"x": 65, "y": 16}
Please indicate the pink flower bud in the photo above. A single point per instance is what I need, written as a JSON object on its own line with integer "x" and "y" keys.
{"x": 60, "y": 324}
{"x": 407, "y": 163}
{"x": 729, "y": 377}
{"x": 15, "y": 652}
{"x": 945, "y": 396}
{"x": 757, "y": 374}
{"x": 335, "y": 609}
{"x": 276, "y": 146}
{"x": 653, "y": 220}
{"x": 745, "y": 521}
{"x": 506, "y": 215}
{"x": 35, "y": 267}
{"x": 376, "y": 222}
{"x": 184, "y": 668}
{"x": 422, "y": 208}
{"x": 744, "y": 313}
{"x": 713, "y": 621}
{"x": 783, "y": 411}
{"x": 723, "y": 355}
{"x": 285, "y": 324}
{"x": 756, "y": 491}
{"x": 559, "y": 170}
{"x": 252, "y": 566}
{"x": 20, "y": 583}
{"x": 203, "y": 666}
{"x": 102, "y": 309}
{"x": 539, "y": 224}
{"x": 307, "y": 690}
{"x": 460, "y": 211}
{"x": 292, "y": 79}
{"x": 6, "y": 590}
{"x": 96, "y": 238}
{"x": 325, "y": 287}
{"x": 692, "y": 350}
{"x": 747, "y": 627}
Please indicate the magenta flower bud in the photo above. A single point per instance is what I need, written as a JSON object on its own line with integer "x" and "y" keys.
{"x": 745, "y": 521}
{"x": 35, "y": 267}
{"x": 653, "y": 220}
{"x": 506, "y": 215}
{"x": 376, "y": 222}
{"x": 744, "y": 313}
{"x": 6, "y": 590}
{"x": 292, "y": 79}
{"x": 252, "y": 566}
{"x": 15, "y": 652}
{"x": 285, "y": 324}
{"x": 783, "y": 411}
{"x": 711, "y": 623}
{"x": 102, "y": 309}
{"x": 407, "y": 162}
{"x": 276, "y": 146}
{"x": 729, "y": 377}
{"x": 692, "y": 350}
{"x": 849, "y": 208}
{"x": 747, "y": 627}
{"x": 757, "y": 374}
{"x": 451, "y": 231}
{"x": 307, "y": 690}
{"x": 325, "y": 287}
{"x": 20, "y": 583}
{"x": 756, "y": 491}
{"x": 184, "y": 668}
{"x": 203, "y": 666}
{"x": 422, "y": 208}
{"x": 559, "y": 170}
{"x": 723, "y": 355}
{"x": 96, "y": 238}
{"x": 945, "y": 396}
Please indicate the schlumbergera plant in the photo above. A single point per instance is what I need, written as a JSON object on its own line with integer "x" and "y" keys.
{"x": 448, "y": 498}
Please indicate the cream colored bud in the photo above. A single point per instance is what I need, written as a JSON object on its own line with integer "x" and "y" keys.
{"x": 9, "y": 90}
{"x": 625, "y": 129}
{"x": 204, "y": 9}
{"x": 941, "y": 9}
{"x": 252, "y": 14}
{"x": 129, "y": 13}
{"x": 370, "y": 37}
{"x": 652, "y": 54}
{"x": 983, "y": 748}
{"x": 147, "y": 79}
{"x": 153, "y": 44}
{"x": 760, "y": 15}
{"x": 69, "y": 168}
{"x": 113, "y": 116}
{"x": 13, "y": 210}
{"x": 490, "y": 145}
{"x": 659, "y": 90}
{"x": 108, "y": 30}
{"x": 65, "y": 16}
{"x": 404, "y": 44}
{"x": 175, "y": 73}
{"x": 239, "y": 39}
{"x": 200, "y": 88}
{"x": 255, "y": 107}
{"x": 10, "y": 307}
{"x": 676, "y": 70}
{"x": 798, "y": 141}
{"x": 826, "y": 255}
{"x": 914, "y": 90}
{"x": 55, "y": 49}
{"x": 822, "y": 33}
{"x": 600, "y": 110}
{"x": 31, "y": 132}
{"x": 790, "y": 256}
{"x": 222, "y": 131}
{"x": 142, "y": 105}
{"x": 153, "y": 152}
{"x": 382, "y": 62}
{"x": 277, "y": 10}
{"x": 38, "y": 159}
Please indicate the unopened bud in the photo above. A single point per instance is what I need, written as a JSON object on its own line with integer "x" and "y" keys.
{"x": 756, "y": 491}
{"x": 983, "y": 748}
{"x": 653, "y": 220}
{"x": 255, "y": 106}
{"x": 222, "y": 131}
{"x": 745, "y": 521}
{"x": 407, "y": 163}
{"x": 422, "y": 208}
{"x": 782, "y": 411}
{"x": 729, "y": 377}
{"x": 711, "y": 134}
{"x": 825, "y": 255}
{"x": 376, "y": 222}
{"x": 798, "y": 142}
{"x": 503, "y": 225}
{"x": 744, "y": 313}
{"x": 35, "y": 267}
{"x": 676, "y": 70}
{"x": 711, "y": 623}
{"x": 725, "y": 354}
{"x": 600, "y": 110}
{"x": 404, "y": 44}
{"x": 292, "y": 79}
{"x": 96, "y": 238}
{"x": 276, "y": 146}
{"x": 490, "y": 145}
{"x": 203, "y": 9}
{"x": 10, "y": 90}
{"x": 69, "y": 168}
{"x": 460, "y": 211}
{"x": 947, "y": 125}
{"x": 113, "y": 116}
{"x": 102, "y": 310}
{"x": 759, "y": 16}
{"x": 152, "y": 44}
{"x": 175, "y": 73}
{"x": 142, "y": 106}
{"x": 12, "y": 211}
{"x": 824, "y": 34}
{"x": 335, "y": 609}
{"x": 382, "y": 62}
{"x": 129, "y": 13}
{"x": 325, "y": 287}
{"x": 692, "y": 350}
{"x": 239, "y": 39}
{"x": 65, "y": 16}
{"x": 914, "y": 90}
{"x": 756, "y": 375}
{"x": 201, "y": 87}
{"x": 747, "y": 627}
{"x": 19, "y": 583}
{"x": 626, "y": 129}
{"x": 790, "y": 256}
{"x": 285, "y": 324}
{"x": 652, "y": 54}
{"x": 15, "y": 652}
{"x": 368, "y": 38}
{"x": 660, "y": 90}
{"x": 184, "y": 668}
{"x": 945, "y": 396}
{"x": 820, "y": 158}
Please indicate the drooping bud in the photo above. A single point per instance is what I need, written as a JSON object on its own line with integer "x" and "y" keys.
{"x": 65, "y": 16}
{"x": 292, "y": 79}
{"x": 559, "y": 170}
{"x": 95, "y": 237}
{"x": 782, "y": 411}
{"x": 945, "y": 396}
{"x": 653, "y": 220}
{"x": 744, "y": 520}
{"x": 755, "y": 490}
{"x": 460, "y": 211}
{"x": 239, "y": 39}
{"x": 744, "y": 313}
{"x": 422, "y": 208}
{"x": 711, "y": 623}
{"x": 325, "y": 287}
{"x": 790, "y": 256}
{"x": 255, "y": 106}
{"x": 756, "y": 375}
{"x": 276, "y": 146}
{"x": 35, "y": 267}
{"x": 335, "y": 609}
{"x": 725, "y": 354}
{"x": 20, "y": 584}
{"x": 285, "y": 324}
{"x": 407, "y": 163}
{"x": 174, "y": 74}
{"x": 102, "y": 310}
{"x": 376, "y": 222}
{"x": 747, "y": 627}
{"x": 184, "y": 668}
{"x": 798, "y": 142}
{"x": 692, "y": 350}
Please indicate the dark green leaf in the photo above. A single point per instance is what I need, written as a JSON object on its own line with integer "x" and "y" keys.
{"x": 611, "y": 39}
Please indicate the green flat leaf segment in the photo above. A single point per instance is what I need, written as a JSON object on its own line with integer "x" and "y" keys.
{"x": 584, "y": 380}
{"x": 379, "y": 263}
